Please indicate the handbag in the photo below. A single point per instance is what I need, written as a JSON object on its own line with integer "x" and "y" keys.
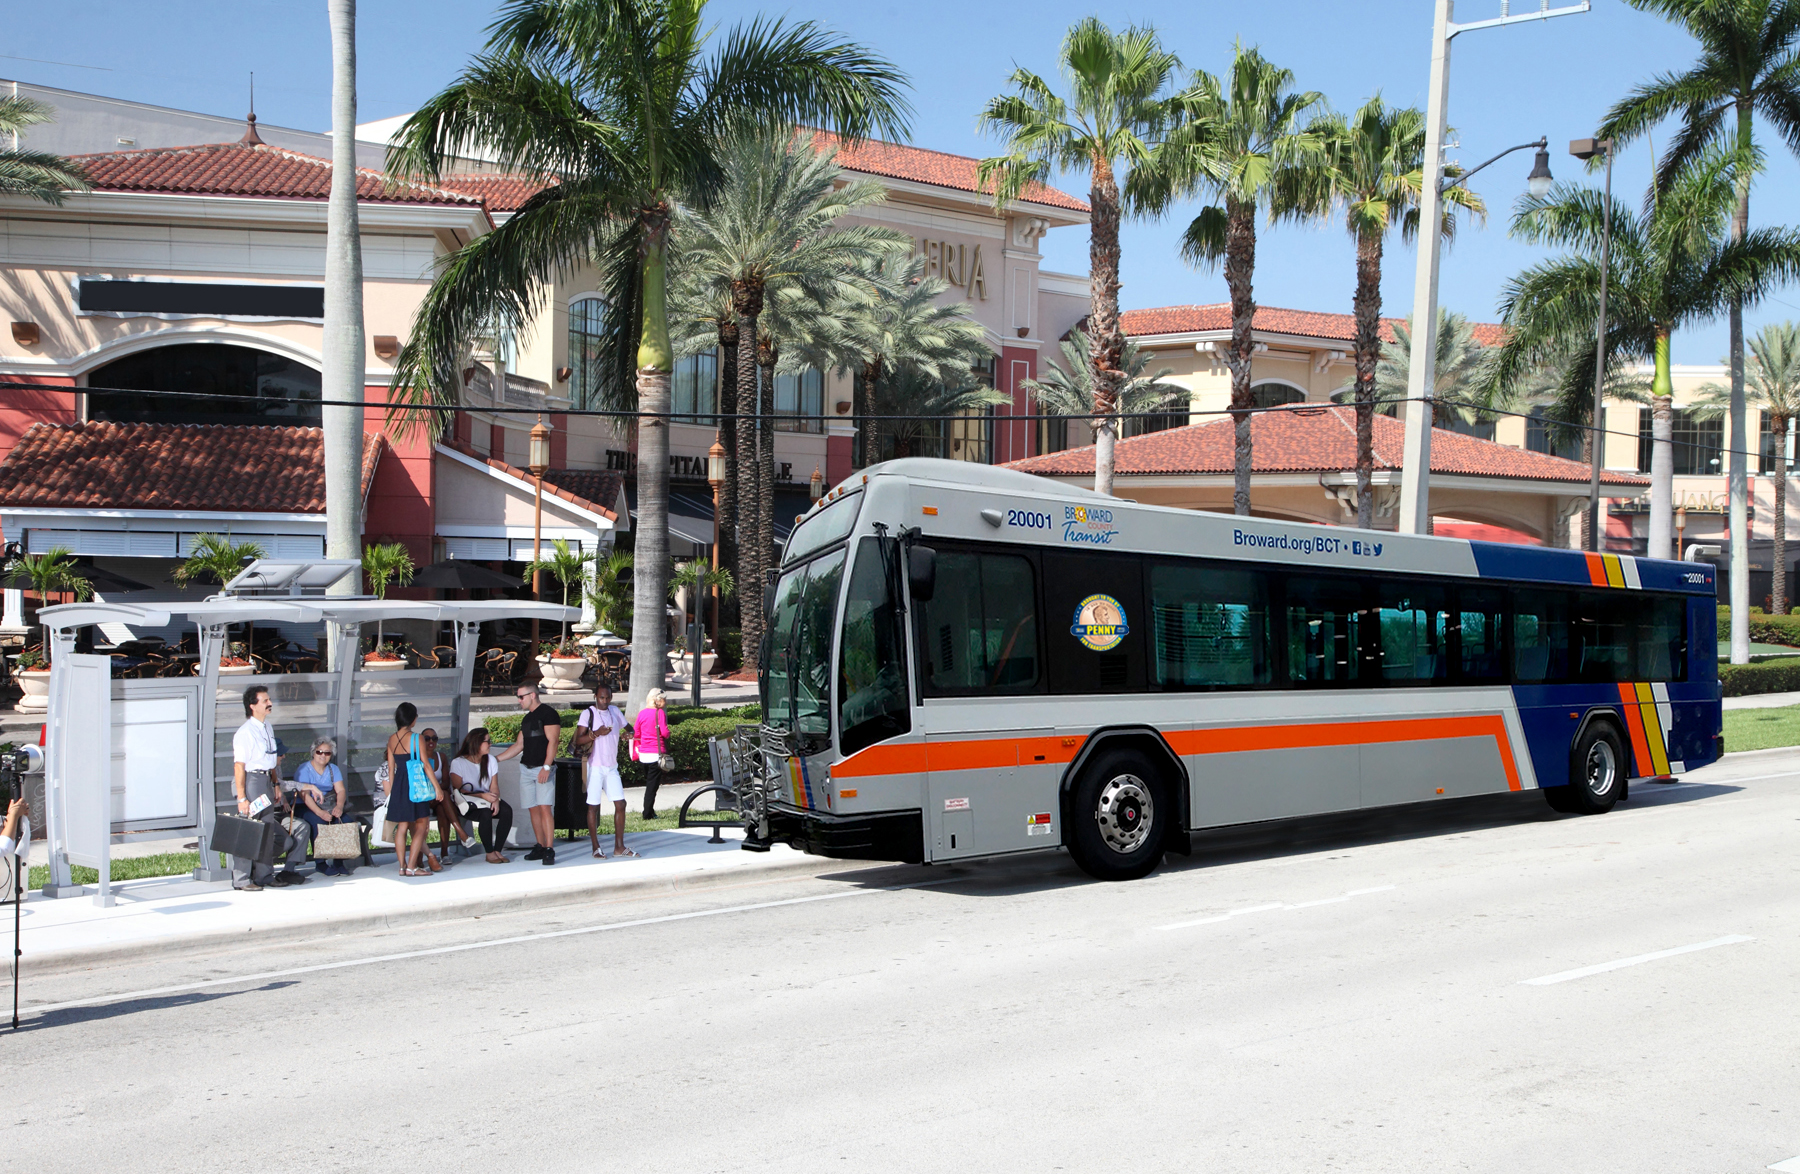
{"x": 666, "y": 761}
{"x": 337, "y": 841}
{"x": 418, "y": 783}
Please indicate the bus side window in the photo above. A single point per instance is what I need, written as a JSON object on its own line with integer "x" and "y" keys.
{"x": 1210, "y": 627}
{"x": 1662, "y": 641}
{"x": 1415, "y": 632}
{"x": 1600, "y": 631}
{"x": 1540, "y": 638}
{"x": 979, "y": 631}
{"x": 872, "y": 697}
{"x": 1324, "y": 631}
{"x": 1481, "y": 621}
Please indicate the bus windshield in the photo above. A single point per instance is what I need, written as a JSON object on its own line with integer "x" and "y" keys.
{"x": 796, "y": 676}
{"x": 872, "y": 699}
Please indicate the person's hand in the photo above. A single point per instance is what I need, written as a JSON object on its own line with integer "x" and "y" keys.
{"x": 337, "y": 813}
{"x": 243, "y": 807}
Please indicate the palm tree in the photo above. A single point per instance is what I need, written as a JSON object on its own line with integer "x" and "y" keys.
{"x": 623, "y": 104}
{"x": 48, "y": 573}
{"x": 1747, "y": 66}
{"x": 34, "y": 173}
{"x": 1464, "y": 369}
{"x": 1375, "y": 167}
{"x": 1671, "y": 266}
{"x": 1240, "y": 141}
{"x": 216, "y": 559}
{"x": 1772, "y": 385}
{"x": 1118, "y": 106}
{"x": 342, "y": 370}
{"x": 566, "y": 565}
{"x": 384, "y": 564}
{"x": 907, "y": 328}
{"x": 702, "y": 580}
{"x": 926, "y": 402}
{"x": 1067, "y": 388}
{"x": 771, "y": 229}
{"x": 609, "y": 593}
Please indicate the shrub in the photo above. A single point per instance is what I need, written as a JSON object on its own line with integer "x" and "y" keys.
{"x": 687, "y": 741}
{"x": 1775, "y": 676}
{"x": 1764, "y": 629}
{"x": 731, "y": 648}
{"x": 689, "y": 728}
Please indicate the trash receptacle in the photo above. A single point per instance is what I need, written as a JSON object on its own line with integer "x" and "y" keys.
{"x": 570, "y": 812}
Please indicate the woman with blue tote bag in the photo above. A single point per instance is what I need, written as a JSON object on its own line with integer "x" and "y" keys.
{"x": 413, "y": 793}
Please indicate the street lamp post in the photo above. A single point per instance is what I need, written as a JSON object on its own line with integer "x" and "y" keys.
{"x": 715, "y": 477}
{"x": 1587, "y": 149}
{"x": 540, "y": 464}
{"x": 1415, "y": 470}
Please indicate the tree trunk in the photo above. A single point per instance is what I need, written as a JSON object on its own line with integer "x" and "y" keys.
{"x": 1367, "y": 304}
{"x": 750, "y": 487}
{"x": 1778, "y": 524}
{"x": 1662, "y": 453}
{"x": 765, "y": 502}
{"x": 871, "y": 431}
{"x": 728, "y": 492}
{"x": 650, "y": 562}
{"x": 343, "y": 366}
{"x": 1106, "y": 349}
{"x": 1739, "y": 482}
{"x": 1240, "y": 268}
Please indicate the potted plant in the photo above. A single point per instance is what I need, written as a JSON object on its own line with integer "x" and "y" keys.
{"x": 213, "y": 559}
{"x": 385, "y": 564}
{"x": 48, "y": 573}
{"x": 693, "y": 582}
{"x": 560, "y": 662}
{"x": 236, "y": 661}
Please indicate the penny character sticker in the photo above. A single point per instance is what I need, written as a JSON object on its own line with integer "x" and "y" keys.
{"x": 1099, "y": 623}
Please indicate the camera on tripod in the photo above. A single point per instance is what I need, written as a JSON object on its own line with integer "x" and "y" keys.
{"x": 14, "y": 765}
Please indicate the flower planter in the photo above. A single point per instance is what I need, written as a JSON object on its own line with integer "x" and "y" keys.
{"x": 682, "y": 663}
{"x": 36, "y": 686}
{"x": 371, "y": 665}
{"x": 236, "y": 670}
{"x": 562, "y": 673}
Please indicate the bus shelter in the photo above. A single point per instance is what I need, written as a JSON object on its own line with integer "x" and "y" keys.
{"x": 155, "y": 754}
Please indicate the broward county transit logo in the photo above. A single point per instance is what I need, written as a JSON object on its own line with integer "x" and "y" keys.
{"x": 1088, "y": 525}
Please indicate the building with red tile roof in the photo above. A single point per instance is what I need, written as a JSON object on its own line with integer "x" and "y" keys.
{"x": 1215, "y": 318}
{"x": 935, "y": 168}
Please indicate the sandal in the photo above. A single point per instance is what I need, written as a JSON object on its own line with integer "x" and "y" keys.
{"x": 498, "y": 858}
{"x": 433, "y": 862}
{"x": 624, "y": 852}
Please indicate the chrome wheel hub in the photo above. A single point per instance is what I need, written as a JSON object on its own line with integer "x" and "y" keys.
{"x": 1602, "y": 769}
{"x": 1125, "y": 813}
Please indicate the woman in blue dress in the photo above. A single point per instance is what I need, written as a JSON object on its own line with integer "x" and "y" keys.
{"x": 412, "y": 817}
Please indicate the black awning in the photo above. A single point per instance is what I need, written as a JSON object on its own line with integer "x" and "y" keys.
{"x": 691, "y": 512}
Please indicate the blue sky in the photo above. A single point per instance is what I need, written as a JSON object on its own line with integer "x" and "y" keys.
{"x": 1508, "y": 86}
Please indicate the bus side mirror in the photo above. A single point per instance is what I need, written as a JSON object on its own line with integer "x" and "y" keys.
{"x": 921, "y": 572}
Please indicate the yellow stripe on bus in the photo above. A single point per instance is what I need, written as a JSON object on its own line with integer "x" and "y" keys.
{"x": 1653, "y": 730}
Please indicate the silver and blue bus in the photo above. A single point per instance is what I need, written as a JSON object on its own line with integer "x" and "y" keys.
{"x": 965, "y": 661}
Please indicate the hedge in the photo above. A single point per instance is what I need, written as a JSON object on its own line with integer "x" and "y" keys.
{"x": 1765, "y": 629}
{"x": 689, "y": 729}
{"x": 1775, "y": 676}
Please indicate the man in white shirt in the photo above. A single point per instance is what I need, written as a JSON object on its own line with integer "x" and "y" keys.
{"x": 255, "y": 775}
{"x": 597, "y": 732}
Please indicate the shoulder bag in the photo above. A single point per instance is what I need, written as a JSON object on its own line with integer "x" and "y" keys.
{"x": 337, "y": 841}
{"x": 418, "y": 783}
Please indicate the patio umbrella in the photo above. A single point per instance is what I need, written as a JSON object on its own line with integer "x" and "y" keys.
{"x": 458, "y": 575}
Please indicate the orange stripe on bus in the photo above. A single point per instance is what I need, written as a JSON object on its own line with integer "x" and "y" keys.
{"x": 1634, "y": 724}
{"x": 1596, "y": 566}
{"x": 991, "y": 753}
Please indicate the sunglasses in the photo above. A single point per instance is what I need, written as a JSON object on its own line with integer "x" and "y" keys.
{"x": 321, "y": 754}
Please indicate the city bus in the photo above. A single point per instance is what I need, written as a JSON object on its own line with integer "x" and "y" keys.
{"x": 965, "y": 661}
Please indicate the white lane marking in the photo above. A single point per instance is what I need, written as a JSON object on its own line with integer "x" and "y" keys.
{"x": 1602, "y": 968}
{"x": 482, "y": 945}
{"x": 1791, "y": 1166}
{"x": 1275, "y": 905}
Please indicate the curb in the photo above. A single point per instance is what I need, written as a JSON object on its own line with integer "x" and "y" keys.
{"x": 1769, "y": 752}
{"x": 62, "y": 961}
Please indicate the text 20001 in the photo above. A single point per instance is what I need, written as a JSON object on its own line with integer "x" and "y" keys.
{"x": 1031, "y": 519}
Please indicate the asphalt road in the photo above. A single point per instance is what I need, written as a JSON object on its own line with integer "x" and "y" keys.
{"x": 1343, "y": 994}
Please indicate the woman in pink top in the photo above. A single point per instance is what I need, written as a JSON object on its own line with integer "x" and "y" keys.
{"x": 649, "y": 742}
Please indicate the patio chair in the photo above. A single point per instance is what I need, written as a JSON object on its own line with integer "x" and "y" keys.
{"x": 444, "y": 656}
{"x": 487, "y": 666}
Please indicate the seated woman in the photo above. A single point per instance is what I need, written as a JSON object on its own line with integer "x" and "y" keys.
{"x": 477, "y": 790}
{"x": 451, "y": 828}
{"x": 322, "y": 796}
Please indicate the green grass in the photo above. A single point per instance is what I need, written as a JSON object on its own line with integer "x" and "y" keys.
{"x": 1762, "y": 729}
{"x": 126, "y": 868}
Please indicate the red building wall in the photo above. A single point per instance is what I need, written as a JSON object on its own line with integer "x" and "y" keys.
{"x": 402, "y": 501}
{"x": 1015, "y": 439}
{"x": 21, "y": 408}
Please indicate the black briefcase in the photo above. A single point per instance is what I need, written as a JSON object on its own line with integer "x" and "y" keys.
{"x": 236, "y": 836}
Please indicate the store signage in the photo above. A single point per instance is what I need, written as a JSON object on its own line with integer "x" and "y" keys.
{"x": 1705, "y": 502}
{"x": 955, "y": 263}
{"x": 683, "y": 467}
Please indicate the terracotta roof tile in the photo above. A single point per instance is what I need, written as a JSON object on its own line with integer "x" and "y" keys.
{"x": 1309, "y": 439}
{"x": 501, "y": 193}
{"x": 938, "y": 168}
{"x": 588, "y": 489}
{"x": 1270, "y": 319}
{"x": 249, "y": 169}
{"x": 210, "y": 467}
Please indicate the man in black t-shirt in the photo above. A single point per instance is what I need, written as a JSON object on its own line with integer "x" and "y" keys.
{"x": 540, "y": 735}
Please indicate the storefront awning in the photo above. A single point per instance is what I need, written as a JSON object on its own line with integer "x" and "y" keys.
{"x": 691, "y": 513}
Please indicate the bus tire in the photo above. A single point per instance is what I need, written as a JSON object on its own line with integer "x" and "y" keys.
{"x": 1597, "y": 770}
{"x": 1118, "y": 816}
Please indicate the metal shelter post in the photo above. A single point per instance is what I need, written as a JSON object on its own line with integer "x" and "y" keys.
{"x": 212, "y": 646}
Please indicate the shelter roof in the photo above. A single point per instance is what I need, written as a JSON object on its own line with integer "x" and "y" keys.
{"x": 1312, "y": 438}
{"x": 209, "y": 467}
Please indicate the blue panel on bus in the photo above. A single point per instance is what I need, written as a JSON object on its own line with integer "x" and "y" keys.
{"x": 1661, "y": 574}
{"x": 1499, "y": 560}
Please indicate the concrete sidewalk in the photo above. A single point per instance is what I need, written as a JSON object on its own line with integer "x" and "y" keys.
{"x": 176, "y": 914}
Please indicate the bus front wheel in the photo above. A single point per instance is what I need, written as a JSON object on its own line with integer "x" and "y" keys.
{"x": 1118, "y": 817}
{"x": 1596, "y": 772}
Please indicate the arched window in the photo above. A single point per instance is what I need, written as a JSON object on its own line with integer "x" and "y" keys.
{"x": 240, "y": 385}
{"x": 1273, "y": 395}
{"x": 587, "y": 331}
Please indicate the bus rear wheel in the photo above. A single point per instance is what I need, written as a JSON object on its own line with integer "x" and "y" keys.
{"x": 1118, "y": 817}
{"x": 1596, "y": 771}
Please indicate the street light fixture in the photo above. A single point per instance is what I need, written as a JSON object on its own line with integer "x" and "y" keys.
{"x": 816, "y": 486}
{"x": 1585, "y": 149}
{"x": 1415, "y": 469}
